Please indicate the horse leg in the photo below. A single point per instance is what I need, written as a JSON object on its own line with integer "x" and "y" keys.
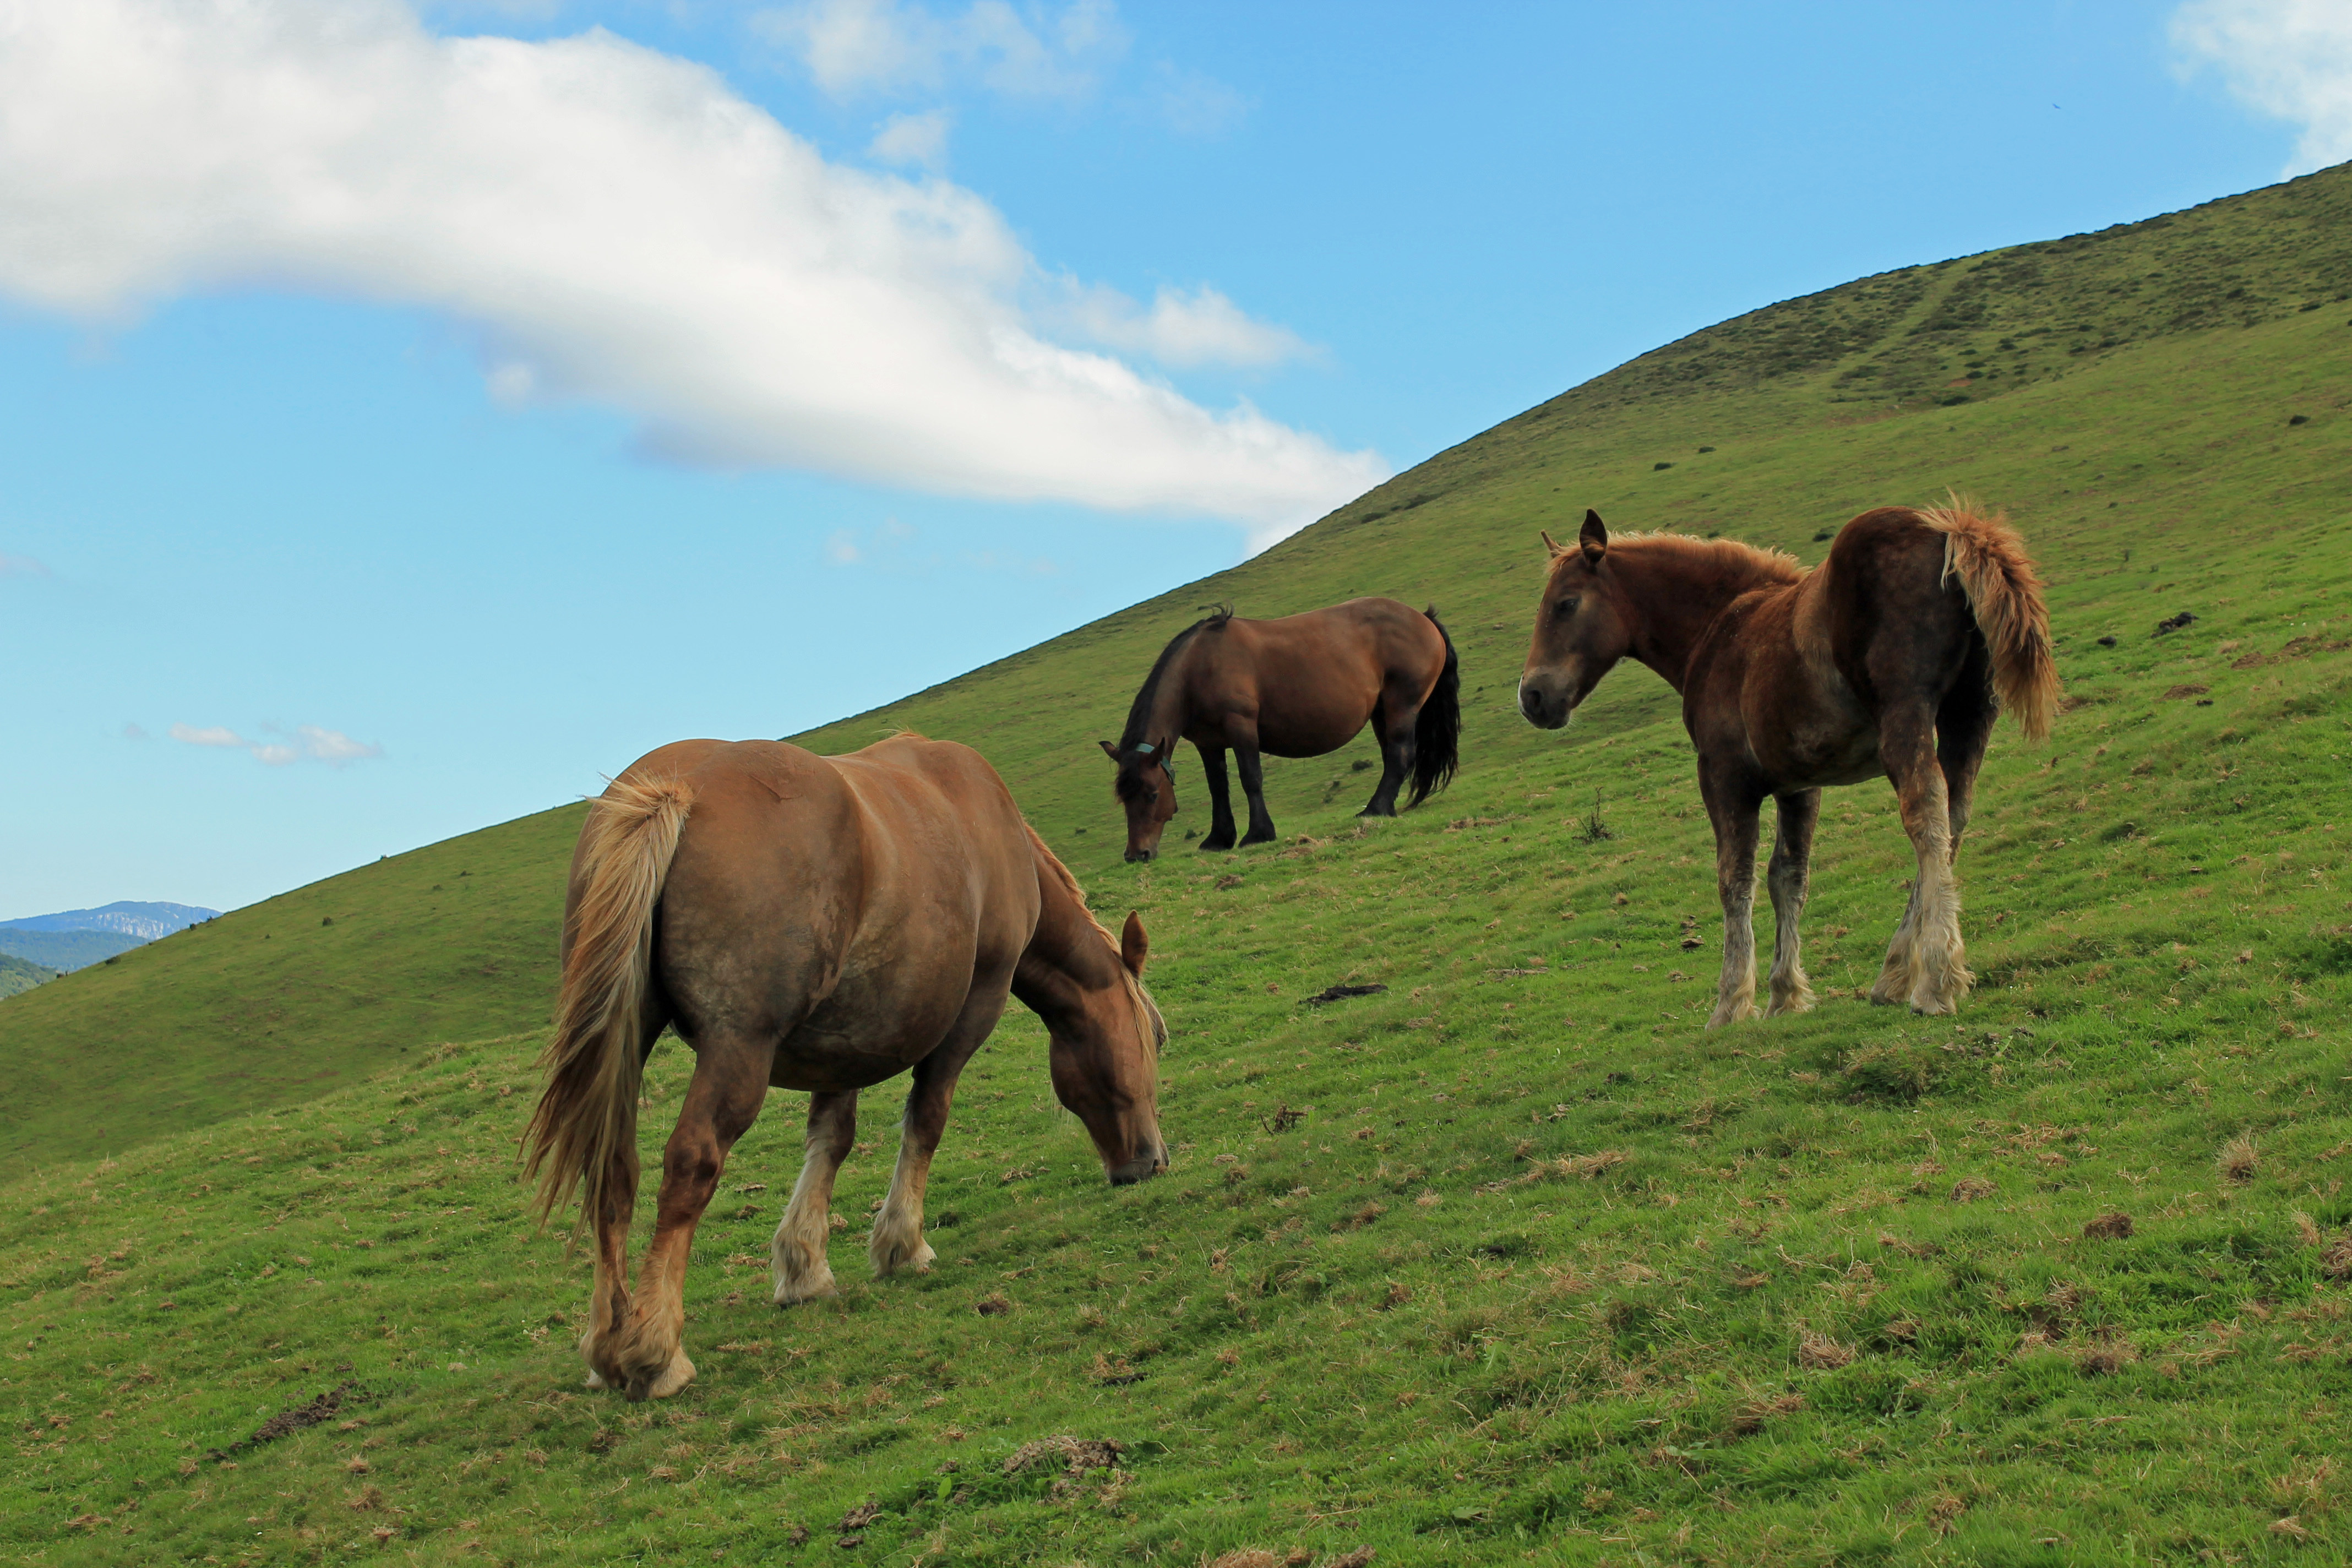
{"x": 1937, "y": 963}
{"x": 608, "y": 1304}
{"x": 1895, "y": 976}
{"x": 796, "y": 1254}
{"x": 730, "y": 1079}
{"x": 1396, "y": 760}
{"x": 898, "y": 1241}
{"x": 1261, "y": 823}
{"x": 1787, "y": 876}
{"x": 1963, "y": 730}
{"x": 1220, "y": 799}
{"x": 1735, "y": 813}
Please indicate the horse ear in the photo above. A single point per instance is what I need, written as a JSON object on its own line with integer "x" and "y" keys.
{"x": 1134, "y": 947}
{"x": 1109, "y": 750}
{"x": 1553, "y": 545}
{"x": 1594, "y": 539}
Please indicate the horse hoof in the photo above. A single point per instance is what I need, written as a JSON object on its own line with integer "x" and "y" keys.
{"x": 674, "y": 1376}
{"x": 1215, "y": 845}
{"x": 792, "y": 1292}
{"x": 917, "y": 1259}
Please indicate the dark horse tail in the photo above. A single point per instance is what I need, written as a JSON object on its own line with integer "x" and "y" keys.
{"x": 1437, "y": 733}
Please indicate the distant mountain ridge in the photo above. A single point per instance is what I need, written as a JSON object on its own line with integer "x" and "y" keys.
{"x": 144, "y": 921}
{"x": 73, "y": 939}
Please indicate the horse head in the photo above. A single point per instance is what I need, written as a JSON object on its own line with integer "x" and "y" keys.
{"x": 1106, "y": 1061}
{"x": 1583, "y": 628}
{"x": 1146, "y": 787}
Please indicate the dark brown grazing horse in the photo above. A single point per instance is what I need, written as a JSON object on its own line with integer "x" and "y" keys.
{"x": 1297, "y": 686}
{"x": 820, "y": 923}
{"x": 1892, "y": 656}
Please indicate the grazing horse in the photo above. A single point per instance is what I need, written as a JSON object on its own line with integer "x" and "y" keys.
{"x": 1297, "y": 686}
{"x": 820, "y": 923}
{"x": 1894, "y": 656}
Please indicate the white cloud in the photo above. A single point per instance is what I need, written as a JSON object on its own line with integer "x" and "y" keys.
{"x": 308, "y": 743}
{"x": 333, "y": 746}
{"x": 1196, "y": 105}
{"x": 132, "y": 732}
{"x": 1202, "y": 327}
{"x": 621, "y": 227}
{"x": 216, "y": 735}
{"x": 853, "y": 46}
{"x": 2291, "y": 59}
{"x": 21, "y": 567}
{"x": 918, "y": 138}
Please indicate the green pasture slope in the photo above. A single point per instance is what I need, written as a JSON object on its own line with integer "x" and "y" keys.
{"x": 1510, "y": 1262}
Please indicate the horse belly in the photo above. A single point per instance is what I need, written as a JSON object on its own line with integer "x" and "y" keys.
{"x": 1809, "y": 739}
{"x": 879, "y": 1022}
{"x": 1311, "y": 723}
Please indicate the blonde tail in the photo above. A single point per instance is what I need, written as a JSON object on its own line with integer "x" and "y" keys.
{"x": 584, "y": 1132}
{"x": 2005, "y": 595}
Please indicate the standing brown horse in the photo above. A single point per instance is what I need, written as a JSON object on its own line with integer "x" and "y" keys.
{"x": 820, "y": 923}
{"x": 1885, "y": 658}
{"x": 1297, "y": 686}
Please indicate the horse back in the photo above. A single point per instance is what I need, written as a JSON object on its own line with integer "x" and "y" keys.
{"x": 1312, "y": 680}
{"x": 1793, "y": 678}
{"x": 842, "y": 906}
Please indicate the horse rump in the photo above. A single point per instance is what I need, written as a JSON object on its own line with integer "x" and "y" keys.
{"x": 1437, "y": 730}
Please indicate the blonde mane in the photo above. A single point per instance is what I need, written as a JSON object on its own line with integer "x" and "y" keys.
{"x": 1139, "y": 998}
{"x": 1727, "y": 554}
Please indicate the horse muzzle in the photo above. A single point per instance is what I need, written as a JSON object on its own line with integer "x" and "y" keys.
{"x": 1137, "y": 856}
{"x": 1544, "y": 708}
{"x": 1146, "y": 1164}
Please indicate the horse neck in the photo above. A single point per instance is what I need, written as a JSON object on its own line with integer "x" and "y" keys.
{"x": 1165, "y": 718}
{"x": 1676, "y": 594}
{"x": 1070, "y": 960}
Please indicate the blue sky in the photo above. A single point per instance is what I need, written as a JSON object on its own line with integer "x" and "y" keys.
{"x": 404, "y": 431}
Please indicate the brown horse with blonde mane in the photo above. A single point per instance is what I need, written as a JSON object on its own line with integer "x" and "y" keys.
{"x": 820, "y": 923}
{"x": 1300, "y": 685}
{"x": 1892, "y": 656}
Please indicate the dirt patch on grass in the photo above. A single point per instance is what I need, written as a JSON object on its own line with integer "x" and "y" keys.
{"x": 286, "y": 1422}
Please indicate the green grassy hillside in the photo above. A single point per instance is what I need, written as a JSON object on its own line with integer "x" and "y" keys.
{"x": 21, "y": 974}
{"x": 1545, "y": 1271}
{"x": 281, "y": 1000}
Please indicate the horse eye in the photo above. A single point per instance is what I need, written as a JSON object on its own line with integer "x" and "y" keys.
{"x": 1566, "y": 606}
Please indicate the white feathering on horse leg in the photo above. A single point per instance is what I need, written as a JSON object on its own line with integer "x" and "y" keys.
{"x": 798, "y": 1265}
{"x": 1735, "y": 992}
{"x": 1942, "y": 975}
{"x": 897, "y": 1240}
{"x": 1896, "y": 975}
